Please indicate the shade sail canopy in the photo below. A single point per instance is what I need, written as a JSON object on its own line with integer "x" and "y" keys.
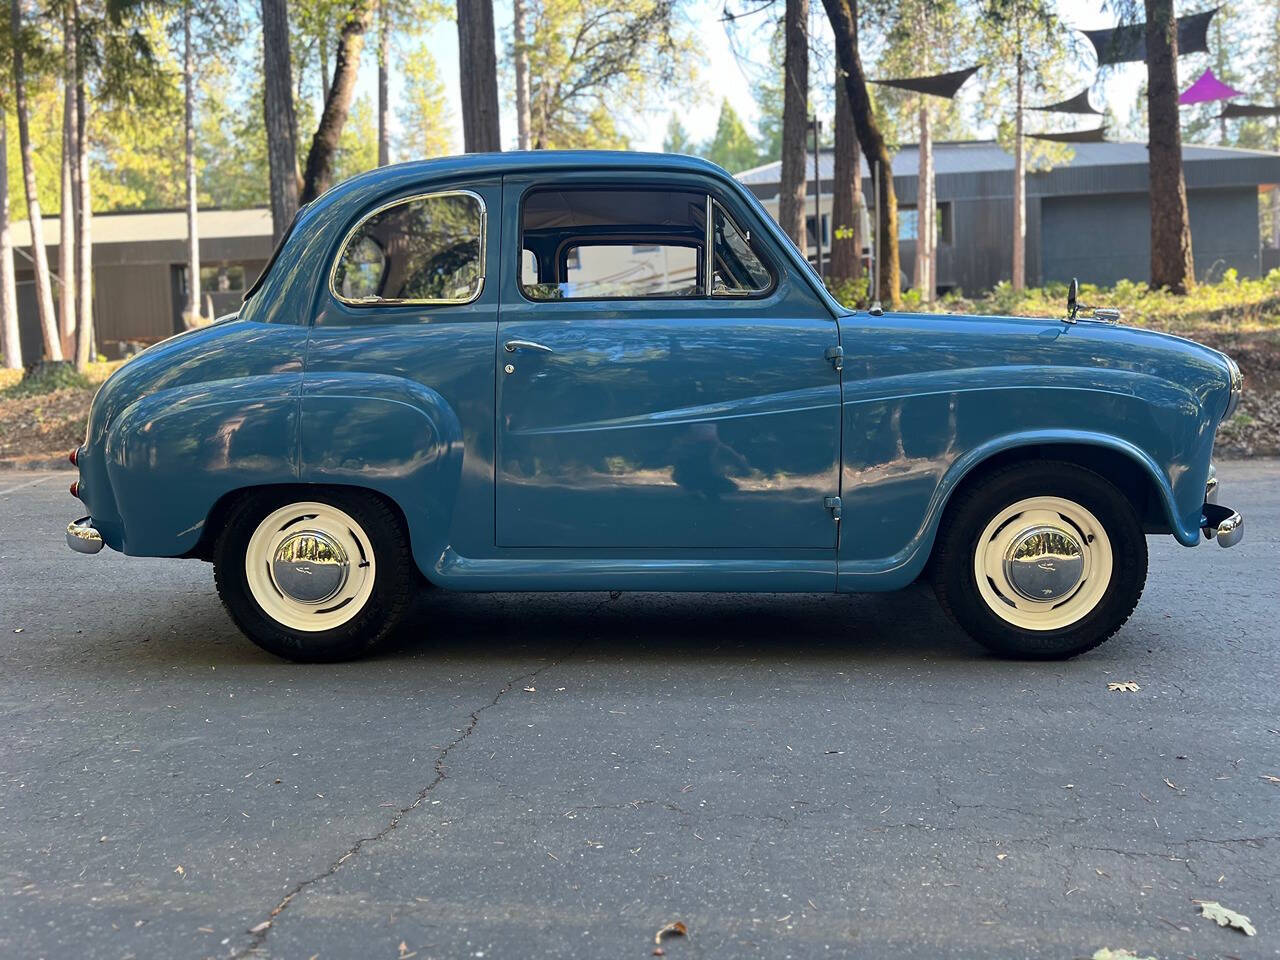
{"x": 1072, "y": 136}
{"x": 1077, "y": 104}
{"x": 1129, "y": 41}
{"x": 1233, "y": 111}
{"x": 1207, "y": 89}
{"x": 940, "y": 85}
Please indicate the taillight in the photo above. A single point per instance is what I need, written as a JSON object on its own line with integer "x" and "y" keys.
{"x": 75, "y": 489}
{"x": 75, "y": 457}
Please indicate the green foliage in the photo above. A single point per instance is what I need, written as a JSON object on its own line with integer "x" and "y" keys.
{"x": 677, "y": 139}
{"x": 427, "y": 125}
{"x": 358, "y": 144}
{"x": 46, "y": 378}
{"x": 732, "y": 146}
{"x": 768, "y": 93}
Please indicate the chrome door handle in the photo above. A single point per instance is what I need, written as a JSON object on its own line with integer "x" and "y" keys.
{"x": 511, "y": 346}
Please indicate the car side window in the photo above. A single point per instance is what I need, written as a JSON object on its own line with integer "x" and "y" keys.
{"x": 420, "y": 250}
{"x": 596, "y": 244}
{"x": 738, "y": 270}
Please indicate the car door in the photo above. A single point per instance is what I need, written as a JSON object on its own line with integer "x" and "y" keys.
{"x": 639, "y": 408}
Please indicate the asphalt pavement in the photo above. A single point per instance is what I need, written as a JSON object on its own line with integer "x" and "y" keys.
{"x": 560, "y": 775}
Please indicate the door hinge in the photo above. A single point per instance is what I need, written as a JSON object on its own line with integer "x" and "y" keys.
{"x": 833, "y": 504}
{"x": 836, "y": 357}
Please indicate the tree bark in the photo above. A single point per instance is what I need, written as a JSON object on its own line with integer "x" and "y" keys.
{"x": 10, "y": 337}
{"x": 278, "y": 112}
{"x": 478, "y": 76}
{"x": 67, "y": 207}
{"x": 521, "y": 56}
{"x": 843, "y": 15}
{"x": 318, "y": 175}
{"x": 384, "y": 97}
{"x": 1171, "y": 261}
{"x": 191, "y": 315}
{"x": 846, "y": 200}
{"x": 39, "y": 255}
{"x": 926, "y": 220}
{"x": 84, "y": 213}
{"x": 1019, "y": 278}
{"x": 795, "y": 121}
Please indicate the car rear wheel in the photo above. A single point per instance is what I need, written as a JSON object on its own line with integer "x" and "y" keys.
{"x": 323, "y": 577}
{"x": 1041, "y": 560}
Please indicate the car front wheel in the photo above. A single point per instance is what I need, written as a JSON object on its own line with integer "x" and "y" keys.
{"x": 323, "y": 577}
{"x": 1042, "y": 560}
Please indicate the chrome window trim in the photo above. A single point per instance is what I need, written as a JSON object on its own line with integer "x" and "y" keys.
{"x": 379, "y": 301}
{"x": 746, "y": 234}
{"x": 708, "y": 254}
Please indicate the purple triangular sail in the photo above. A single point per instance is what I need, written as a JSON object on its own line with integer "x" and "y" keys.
{"x": 941, "y": 85}
{"x": 1206, "y": 89}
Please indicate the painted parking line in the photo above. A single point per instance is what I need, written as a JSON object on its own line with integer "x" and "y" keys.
{"x": 29, "y": 483}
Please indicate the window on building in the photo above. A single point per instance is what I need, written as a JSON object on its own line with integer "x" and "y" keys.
{"x": 909, "y": 223}
{"x": 426, "y": 249}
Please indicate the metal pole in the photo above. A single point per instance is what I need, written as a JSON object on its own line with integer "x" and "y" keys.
{"x": 817, "y": 194}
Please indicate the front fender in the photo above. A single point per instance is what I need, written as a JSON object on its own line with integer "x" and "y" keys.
{"x": 388, "y": 434}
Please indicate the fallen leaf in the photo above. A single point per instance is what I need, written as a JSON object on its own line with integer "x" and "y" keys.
{"x": 260, "y": 927}
{"x": 1127, "y": 686}
{"x": 405, "y": 952}
{"x": 179, "y": 871}
{"x": 677, "y": 929}
{"x": 1226, "y": 918}
{"x": 1001, "y": 856}
{"x": 1107, "y": 953}
{"x": 530, "y": 689}
{"x": 659, "y": 952}
{"x": 1270, "y": 779}
{"x": 1170, "y": 784}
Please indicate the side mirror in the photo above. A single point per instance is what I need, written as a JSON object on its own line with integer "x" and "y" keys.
{"x": 1073, "y": 299}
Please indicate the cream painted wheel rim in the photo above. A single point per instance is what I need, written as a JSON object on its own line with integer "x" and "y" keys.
{"x": 310, "y": 566}
{"x": 1043, "y": 563}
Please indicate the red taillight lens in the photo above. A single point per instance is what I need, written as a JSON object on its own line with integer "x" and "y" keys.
{"x": 75, "y": 488}
{"x": 75, "y": 457}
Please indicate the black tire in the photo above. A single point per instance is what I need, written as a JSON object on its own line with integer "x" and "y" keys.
{"x": 979, "y": 503}
{"x": 395, "y": 577}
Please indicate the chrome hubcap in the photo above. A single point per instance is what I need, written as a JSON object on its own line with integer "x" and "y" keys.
{"x": 1044, "y": 563}
{"x": 310, "y": 567}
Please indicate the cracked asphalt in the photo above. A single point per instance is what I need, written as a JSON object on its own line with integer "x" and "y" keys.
{"x": 560, "y": 775}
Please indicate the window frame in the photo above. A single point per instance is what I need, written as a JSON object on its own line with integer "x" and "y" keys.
{"x": 711, "y": 199}
{"x": 407, "y": 302}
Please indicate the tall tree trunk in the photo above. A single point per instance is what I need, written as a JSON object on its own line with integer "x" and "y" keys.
{"x": 278, "y": 113}
{"x": 318, "y": 175}
{"x": 846, "y": 200}
{"x": 67, "y": 207}
{"x": 10, "y": 338}
{"x": 1019, "y": 183}
{"x": 39, "y": 255}
{"x": 384, "y": 96}
{"x": 926, "y": 253}
{"x": 843, "y": 15}
{"x": 795, "y": 121}
{"x": 521, "y": 52}
{"x": 478, "y": 75}
{"x": 1171, "y": 262}
{"x": 84, "y": 213}
{"x": 326, "y": 76}
{"x": 192, "y": 314}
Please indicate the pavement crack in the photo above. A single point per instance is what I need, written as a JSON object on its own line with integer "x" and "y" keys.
{"x": 259, "y": 931}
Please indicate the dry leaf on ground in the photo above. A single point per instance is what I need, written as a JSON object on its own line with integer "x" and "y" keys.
{"x": 1107, "y": 953}
{"x": 1224, "y": 917}
{"x": 1127, "y": 686}
{"x": 677, "y": 929}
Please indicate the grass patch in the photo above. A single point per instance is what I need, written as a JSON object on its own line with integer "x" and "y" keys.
{"x": 51, "y": 377}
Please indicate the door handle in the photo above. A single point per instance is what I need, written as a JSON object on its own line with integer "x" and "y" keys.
{"x": 511, "y": 346}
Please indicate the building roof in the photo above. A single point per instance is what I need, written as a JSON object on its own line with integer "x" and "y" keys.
{"x": 150, "y": 225}
{"x": 986, "y": 156}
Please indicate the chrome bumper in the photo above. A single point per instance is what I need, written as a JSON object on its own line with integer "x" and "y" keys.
{"x": 83, "y": 537}
{"x": 1222, "y": 524}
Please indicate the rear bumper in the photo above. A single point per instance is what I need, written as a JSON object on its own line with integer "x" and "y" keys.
{"x": 83, "y": 537}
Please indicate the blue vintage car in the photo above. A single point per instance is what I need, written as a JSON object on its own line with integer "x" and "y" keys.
{"x": 610, "y": 371}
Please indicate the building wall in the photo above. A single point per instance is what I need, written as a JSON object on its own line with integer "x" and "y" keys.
{"x": 1104, "y": 239}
